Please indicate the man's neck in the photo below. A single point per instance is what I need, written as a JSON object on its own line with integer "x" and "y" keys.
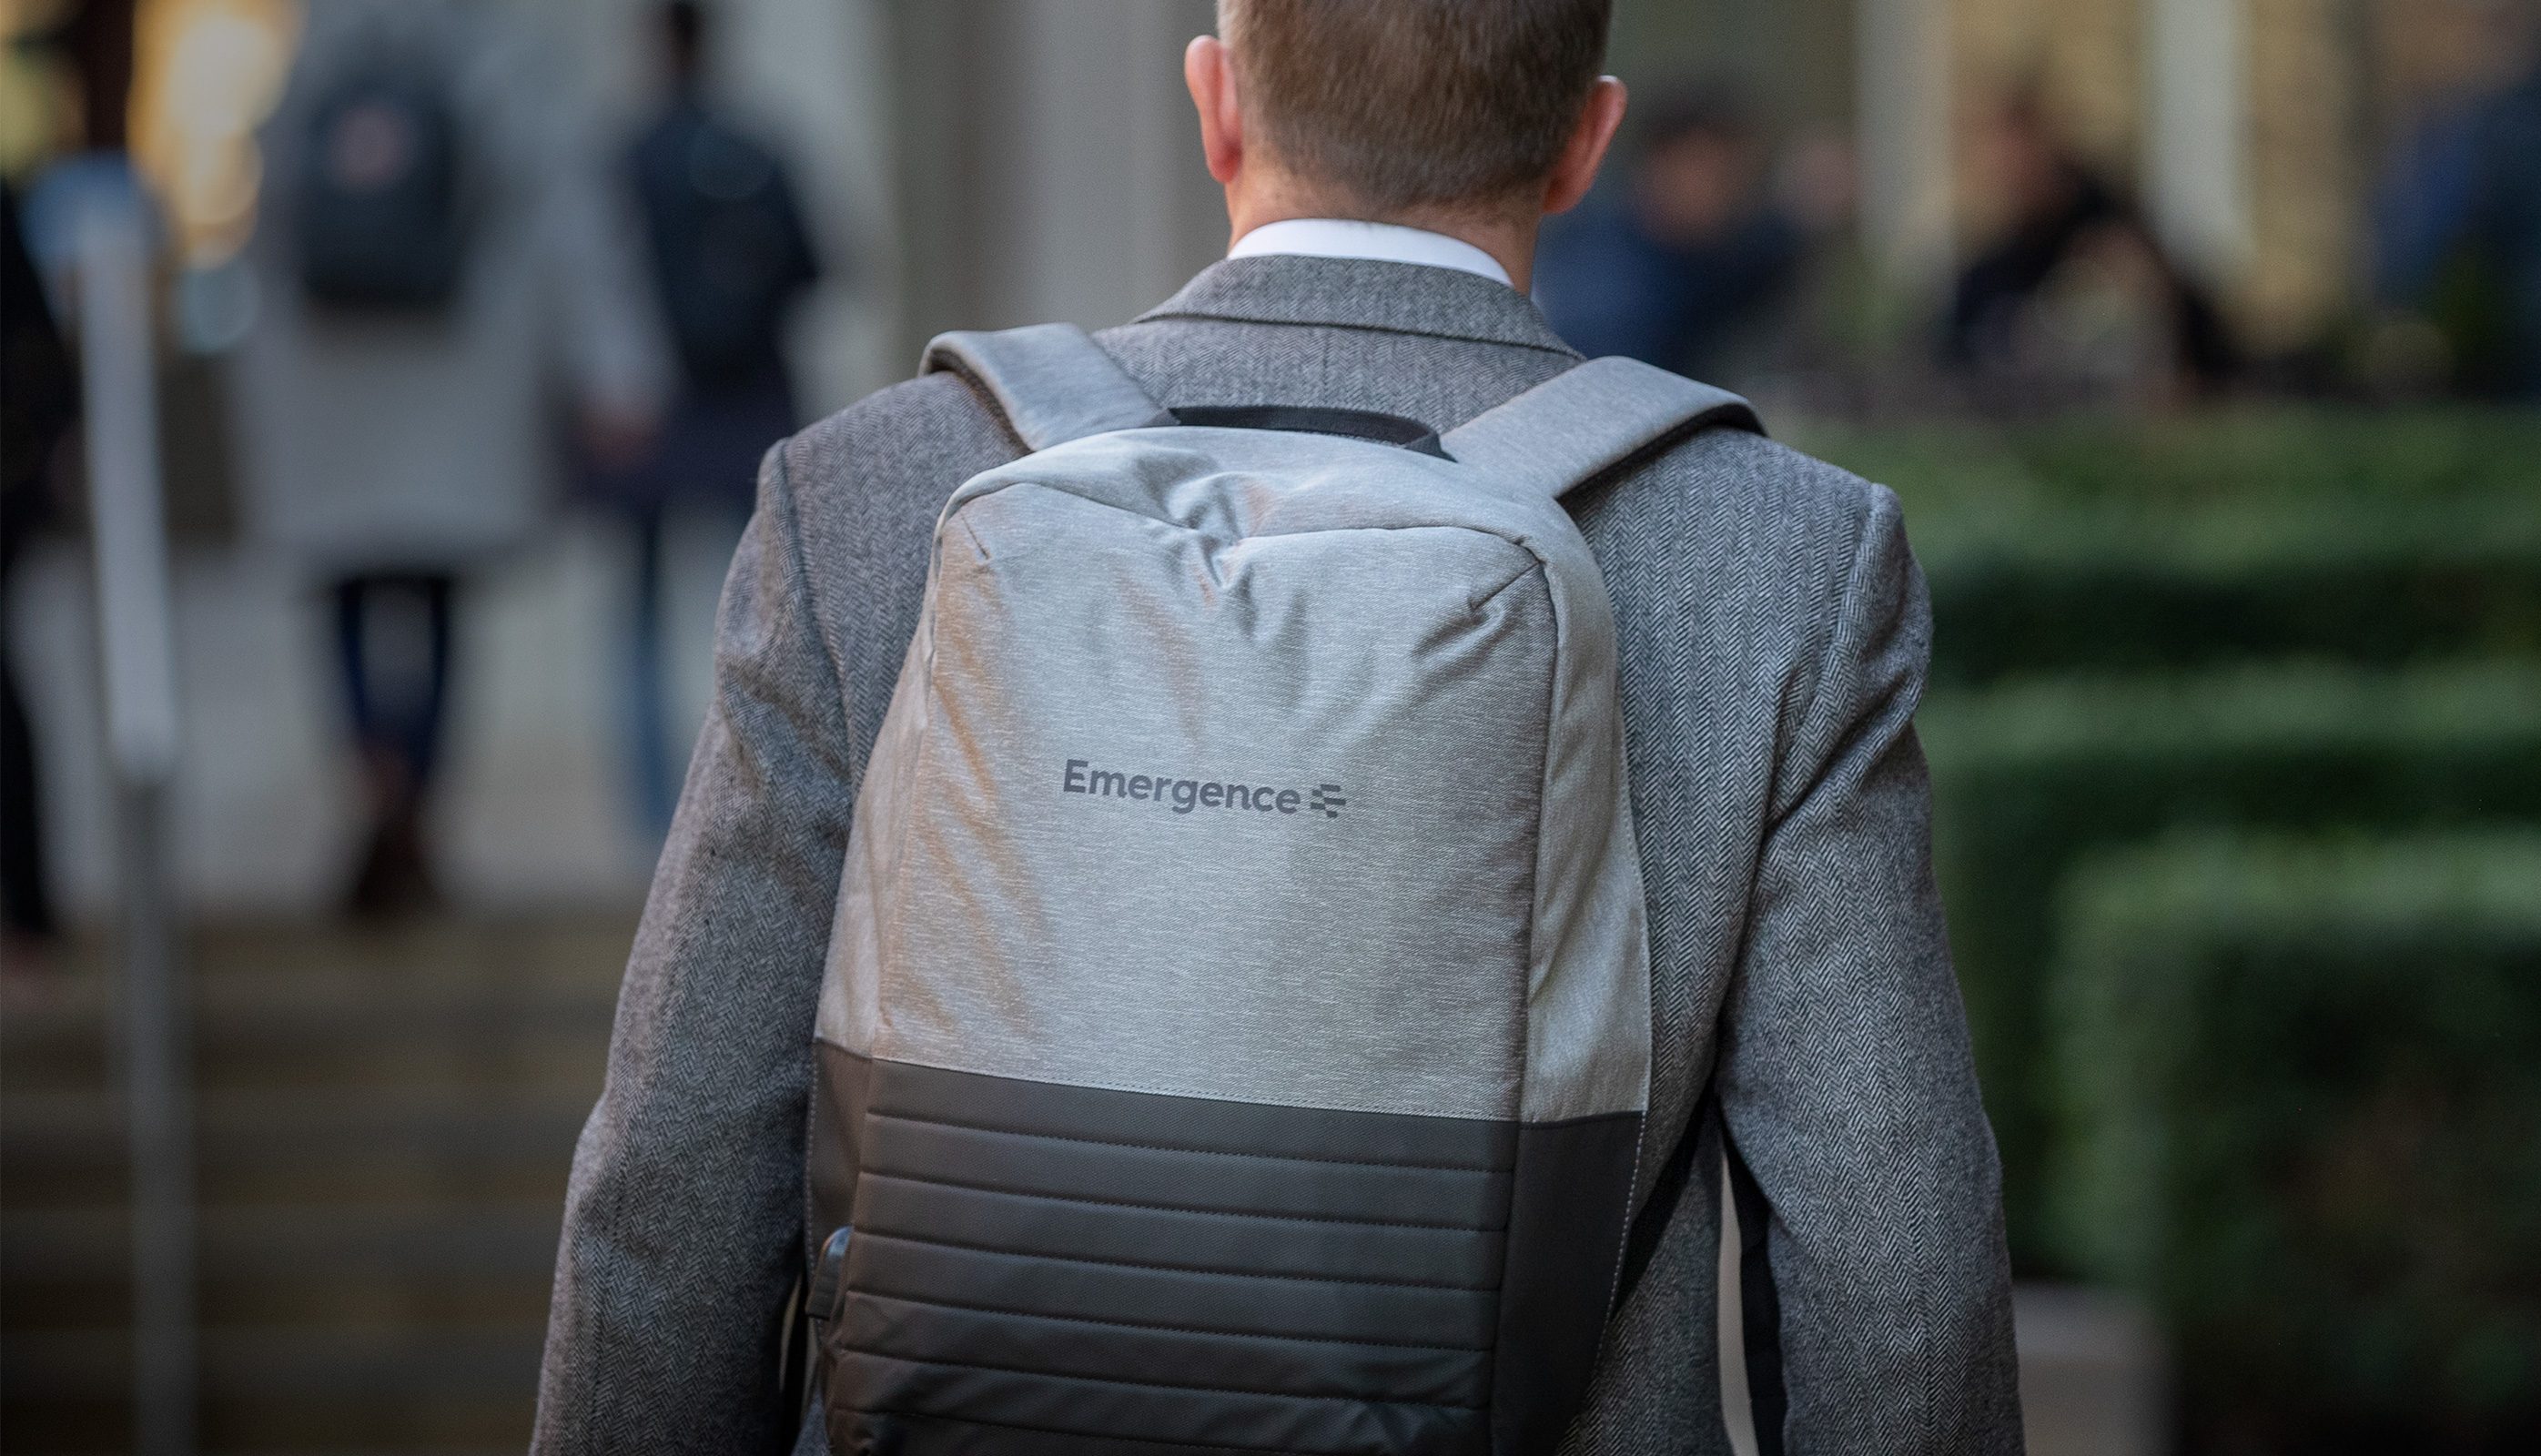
{"x": 1509, "y": 238}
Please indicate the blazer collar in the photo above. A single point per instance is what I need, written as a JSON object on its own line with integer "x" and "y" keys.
{"x": 1362, "y": 293}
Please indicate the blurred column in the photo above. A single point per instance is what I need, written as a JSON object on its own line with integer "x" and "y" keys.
{"x": 1049, "y": 166}
{"x": 813, "y": 71}
{"x": 1178, "y": 218}
{"x": 2306, "y": 173}
{"x": 2195, "y": 162}
{"x": 1902, "y": 62}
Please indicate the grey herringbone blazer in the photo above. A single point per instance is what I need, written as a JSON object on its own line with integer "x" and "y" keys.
{"x": 1805, "y": 1020}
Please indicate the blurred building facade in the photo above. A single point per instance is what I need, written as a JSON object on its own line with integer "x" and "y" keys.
{"x": 990, "y": 162}
{"x": 1043, "y": 154}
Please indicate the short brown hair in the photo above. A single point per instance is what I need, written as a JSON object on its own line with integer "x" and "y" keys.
{"x": 1416, "y": 103}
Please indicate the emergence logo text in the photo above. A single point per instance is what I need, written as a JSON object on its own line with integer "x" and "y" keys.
{"x": 1183, "y": 795}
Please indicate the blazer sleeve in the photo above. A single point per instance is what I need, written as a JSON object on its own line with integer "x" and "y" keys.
{"x": 1858, "y": 1147}
{"x": 684, "y": 1216}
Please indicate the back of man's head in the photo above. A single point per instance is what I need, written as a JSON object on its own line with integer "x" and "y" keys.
{"x": 1417, "y": 106}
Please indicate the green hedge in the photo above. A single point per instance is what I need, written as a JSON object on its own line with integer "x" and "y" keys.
{"x": 2114, "y": 592}
{"x": 2029, "y": 777}
{"x": 2125, "y": 546}
{"x": 2302, "y": 1088}
{"x": 2296, "y": 458}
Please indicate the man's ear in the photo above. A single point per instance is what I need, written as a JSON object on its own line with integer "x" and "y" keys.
{"x": 1208, "y": 69}
{"x": 1576, "y": 172}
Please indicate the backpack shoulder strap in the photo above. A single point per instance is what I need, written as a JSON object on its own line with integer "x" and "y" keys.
{"x": 1584, "y": 422}
{"x": 1051, "y": 381}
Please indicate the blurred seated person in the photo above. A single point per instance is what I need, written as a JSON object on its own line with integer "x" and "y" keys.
{"x": 729, "y": 258}
{"x": 2074, "y": 300}
{"x": 1680, "y": 265}
{"x": 2458, "y": 235}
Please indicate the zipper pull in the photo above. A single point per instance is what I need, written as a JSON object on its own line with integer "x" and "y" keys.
{"x": 829, "y": 1278}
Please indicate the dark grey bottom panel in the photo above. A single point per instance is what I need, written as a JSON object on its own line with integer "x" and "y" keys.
{"x": 1038, "y": 1268}
{"x": 900, "y": 1433}
{"x": 1095, "y": 1349}
{"x": 1132, "y": 1413}
{"x": 1565, "y": 1248}
{"x": 1100, "y": 1233}
{"x": 839, "y": 1083}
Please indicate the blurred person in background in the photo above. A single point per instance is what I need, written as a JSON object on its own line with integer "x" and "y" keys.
{"x": 76, "y": 167}
{"x": 729, "y": 258}
{"x": 2457, "y": 233}
{"x": 37, "y": 412}
{"x": 2073, "y": 300}
{"x": 1685, "y": 263}
{"x": 438, "y": 259}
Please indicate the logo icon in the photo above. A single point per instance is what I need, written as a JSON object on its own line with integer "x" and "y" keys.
{"x": 1328, "y": 800}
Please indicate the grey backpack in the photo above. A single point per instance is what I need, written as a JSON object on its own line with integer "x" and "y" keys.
{"x": 1236, "y": 1030}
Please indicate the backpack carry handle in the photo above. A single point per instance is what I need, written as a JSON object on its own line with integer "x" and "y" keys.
{"x": 1582, "y": 423}
{"x": 1308, "y": 420}
{"x": 1050, "y": 381}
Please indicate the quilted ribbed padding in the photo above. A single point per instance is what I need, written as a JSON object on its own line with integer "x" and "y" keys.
{"x": 1048, "y": 1264}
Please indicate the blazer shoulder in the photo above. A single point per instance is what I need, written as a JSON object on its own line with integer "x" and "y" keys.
{"x": 1744, "y": 555}
{"x": 867, "y": 482}
{"x": 1760, "y": 515}
{"x": 863, "y": 488}
{"x": 907, "y": 437}
{"x": 1767, "y": 487}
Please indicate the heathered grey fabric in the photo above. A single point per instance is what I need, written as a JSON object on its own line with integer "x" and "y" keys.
{"x": 1578, "y": 424}
{"x": 1460, "y": 935}
{"x": 1093, "y": 939}
{"x": 1774, "y": 634}
{"x": 1050, "y": 381}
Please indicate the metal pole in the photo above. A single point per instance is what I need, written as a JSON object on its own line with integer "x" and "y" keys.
{"x": 137, "y": 653}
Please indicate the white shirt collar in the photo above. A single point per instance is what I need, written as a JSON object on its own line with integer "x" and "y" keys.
{"x": 1333, "y": 237}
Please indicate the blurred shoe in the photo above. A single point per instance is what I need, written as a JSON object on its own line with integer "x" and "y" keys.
{"x": 33, "y": 973}
{"x": 395, "y": 880}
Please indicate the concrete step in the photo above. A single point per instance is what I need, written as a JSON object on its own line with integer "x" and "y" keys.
{"x": 299, "y": 1390}
{"x": 256, "y": 1364}
{"x": 517, "y": 1040}
{"x": 490, "y": 949}
{"x": 384, "y": 1124}
{"x": 482, "y": 1011}
{"x": 453, "y": 1143}
{"x": 395, "y": 1266}
{"x": 479, "y": 1006}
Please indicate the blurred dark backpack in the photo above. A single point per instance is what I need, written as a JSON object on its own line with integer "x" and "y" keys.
{"x": 382, "y": 222}
{"x": 728, "y": 247}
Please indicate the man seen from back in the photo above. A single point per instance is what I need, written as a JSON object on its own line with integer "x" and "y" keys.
{"x": 1386, "y": 168}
